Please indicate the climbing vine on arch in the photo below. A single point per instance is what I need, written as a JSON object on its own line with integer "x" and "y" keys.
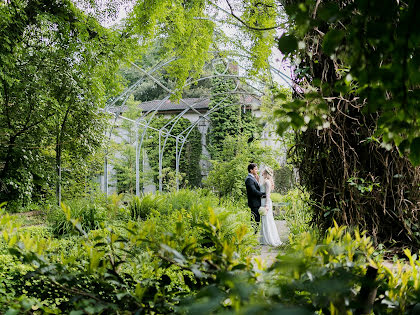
{"x": 230, "y": 118}
{"x": 190, "y": 156}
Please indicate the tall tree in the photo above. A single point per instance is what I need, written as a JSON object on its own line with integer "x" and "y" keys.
{"x": 57, "y": 69}
{"x": 359, "y": 59}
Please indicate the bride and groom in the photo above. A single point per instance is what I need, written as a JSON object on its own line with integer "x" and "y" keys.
{"x": 260, "y": 203}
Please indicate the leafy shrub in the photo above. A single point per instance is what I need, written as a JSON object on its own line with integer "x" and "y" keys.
{"x": 187, "y": 199}
{"x": 234, "y": 219}
{"x": 313, "y": 276}
{"x": 109, "y": 269}
{"x": 141, "y": 207}
{"x": 197, "y": 260}
{"x": 276, "y": 197}
{"x": 89, "y": 214}
{"x": 228, "y": 173}
{"x": 295, "y": 209}
{"x": 38, "y": 231}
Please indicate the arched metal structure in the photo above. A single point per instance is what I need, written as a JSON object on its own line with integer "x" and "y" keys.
{"x": 165, "y": 132}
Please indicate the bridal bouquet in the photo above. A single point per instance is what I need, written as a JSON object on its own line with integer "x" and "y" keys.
{"x": 262, "y": 210}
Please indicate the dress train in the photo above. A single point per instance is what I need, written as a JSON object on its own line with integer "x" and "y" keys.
{"x": 269, "y": 234}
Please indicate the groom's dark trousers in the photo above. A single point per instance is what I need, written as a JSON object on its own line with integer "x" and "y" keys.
{"x": 254, "y": 196}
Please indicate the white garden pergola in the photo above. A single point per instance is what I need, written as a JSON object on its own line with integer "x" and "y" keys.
{"x": 143, "y": 123}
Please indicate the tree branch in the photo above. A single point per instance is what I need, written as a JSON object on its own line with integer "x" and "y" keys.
{"x": 244, "y": 23}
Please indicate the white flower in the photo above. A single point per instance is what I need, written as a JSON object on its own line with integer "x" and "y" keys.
{"x": 262, "y": 210}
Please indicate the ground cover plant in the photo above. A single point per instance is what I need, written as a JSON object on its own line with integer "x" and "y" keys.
{"x": 108, "y": 264}
{"x": 195, "y": 260}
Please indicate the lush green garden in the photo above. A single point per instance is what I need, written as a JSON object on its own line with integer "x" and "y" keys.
{"x": 189, "y": 252}
{"x": 344, "y": 104}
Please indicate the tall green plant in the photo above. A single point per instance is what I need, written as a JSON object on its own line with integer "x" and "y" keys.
{"x": 57, "y": 70}
{"x": 90, "y": 216}
{"x": 228, "y": 173}
{"x": 141, "y": 207}
{"x": 123, "y": 151}
{"x": 228, "y": 117}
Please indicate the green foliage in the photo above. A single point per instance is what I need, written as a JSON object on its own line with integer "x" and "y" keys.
{"x": 148, "y": 90}
{"x": 130, "y": 269}
{"x": 140, "y": 208}
{"x": 176, "y": 22}
{"x": 295, "y": 209}
{"x": 57, "y": 68}
{"x": 190, "y": 155}
{"x": 197, "y": 260}
{"x": 125, "y": 169}
{"x": 230, "y": 170}
{"x": 228, "y": 118}
{"x": 115, "y": 207}
{"x": 184, "y": 199}
{"x": 225, "y": 120}
{"x": 315, "y": 276}
{"x": 354, "y": 113}
{"x": 123, "y": 151}
{"x": 375, "y": 48}
{"x": 187, "y": 199}
{"x": 90, "y": 216}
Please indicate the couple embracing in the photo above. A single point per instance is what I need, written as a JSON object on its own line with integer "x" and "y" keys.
{"x": 259, "y": 201}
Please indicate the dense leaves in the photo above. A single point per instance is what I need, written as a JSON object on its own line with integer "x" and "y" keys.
{"x": 368, "y": 50}
{"x": 229, "y": 171}
{"x": 229, "y": 117}
{"x": 190, "y": 154}
{"x": 350, "y": 111}
{"x": 133, "y": 266}
{"x": 196, "y": 259}
{"x": 57, "y": 68}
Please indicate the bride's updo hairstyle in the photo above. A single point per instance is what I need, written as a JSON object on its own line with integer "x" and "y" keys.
{"x": 268, "y": 171}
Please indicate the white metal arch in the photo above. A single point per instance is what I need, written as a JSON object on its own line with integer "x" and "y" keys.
{"x": 144, "y": 123}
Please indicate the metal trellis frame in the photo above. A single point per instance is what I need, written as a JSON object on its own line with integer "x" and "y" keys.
{"x": 165, "y": 132}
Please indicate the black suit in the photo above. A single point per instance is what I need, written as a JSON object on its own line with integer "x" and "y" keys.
{"x": 254, "y": 196}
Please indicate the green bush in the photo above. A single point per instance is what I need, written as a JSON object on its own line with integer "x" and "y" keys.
{"x": 228, "y": 173}
{"x": 186, "y": 199}
{"x": 141, "y": 207}
{"x": 276, "y": 197}
{"x": 197, "y": 260}
{"x": 128, "y": 268}
{"x": 115, "y": 207}
{"x": 295, "y": 209}
{"x": 89, "y": 214}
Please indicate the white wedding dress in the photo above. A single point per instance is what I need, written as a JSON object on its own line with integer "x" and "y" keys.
{"x": 269, "y": 234}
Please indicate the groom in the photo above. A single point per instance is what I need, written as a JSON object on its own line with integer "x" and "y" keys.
{"x": 253, "y": 191}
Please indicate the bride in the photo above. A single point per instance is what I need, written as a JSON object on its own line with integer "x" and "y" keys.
{"x": 269, "y": 234}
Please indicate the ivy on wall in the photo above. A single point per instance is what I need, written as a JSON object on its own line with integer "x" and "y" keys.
{"x": 229, "y": 119}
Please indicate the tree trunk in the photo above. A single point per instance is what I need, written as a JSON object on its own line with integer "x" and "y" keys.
{"x": 8, "y": 157}
{"x": 58, "y": 154}
{"x": 58, "y": 170}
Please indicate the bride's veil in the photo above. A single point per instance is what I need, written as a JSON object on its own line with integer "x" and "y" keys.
{"x": 262, "y": 168}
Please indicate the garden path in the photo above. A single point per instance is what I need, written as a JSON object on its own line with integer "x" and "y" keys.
{"x": 267, "y": 253}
